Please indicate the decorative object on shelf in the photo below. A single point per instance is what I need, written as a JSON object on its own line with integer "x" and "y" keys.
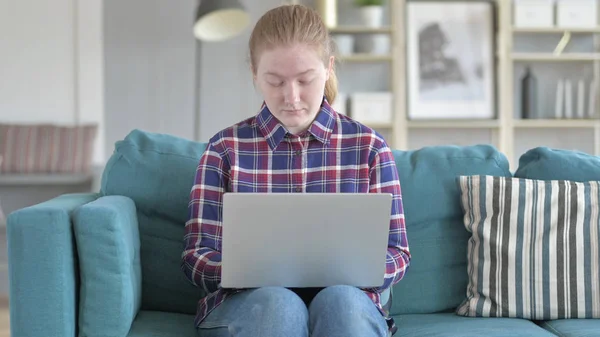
{"x": 592, "y": 101}
{"x": 371, "y": 107}
{"x": 534, "y": 13}
{"x": 568, "y": 99}
{"x": 450, "y": 65}
{"x": 376, "y": 44}
{"x": 580, "y": 99}
{"x": 560, "y": 99}
{"x": 344, "y": 44}
{"x": 529, "y": 95}
{"x": 577, "y": 13}
{"x": 371, "y": 12}
{"x": 562, "y": 43}
{"x": 328, "y": 11}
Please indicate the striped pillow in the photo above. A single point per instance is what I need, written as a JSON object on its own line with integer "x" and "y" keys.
{"x": 44, "y": 148}
{"x": 534, "y": 249}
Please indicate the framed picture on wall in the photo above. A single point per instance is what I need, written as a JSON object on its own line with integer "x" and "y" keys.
{"x": 450, "y": 61}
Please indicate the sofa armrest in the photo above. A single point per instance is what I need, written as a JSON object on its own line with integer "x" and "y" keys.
{"x": 42, "y": 267}
{"x": 108, "y": 244}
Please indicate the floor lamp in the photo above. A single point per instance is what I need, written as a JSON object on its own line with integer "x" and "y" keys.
{"x": 216, "y": 20}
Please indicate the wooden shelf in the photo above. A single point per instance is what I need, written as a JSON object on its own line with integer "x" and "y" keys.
{"x": 556, "y": 30}
{"x": 552, "y": 57}
{"x": 44, "y": 179}
{"x": 360, "y": 30}
{"x": 454, "y": 124}
{"x": 365, "y": 58}
{"x": 555, "y": 123}
{"x": 379, "y": 125}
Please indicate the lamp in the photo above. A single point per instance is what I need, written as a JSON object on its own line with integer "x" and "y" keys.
{"x": 218, "y": 20}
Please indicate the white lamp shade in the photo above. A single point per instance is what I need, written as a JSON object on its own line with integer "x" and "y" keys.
{"x": 220, "y": 20}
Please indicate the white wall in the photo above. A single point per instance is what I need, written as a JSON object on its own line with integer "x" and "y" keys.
{"x": 51, "y": 63}
{"x": 122, "y": 64}
{"x": 149, "y": 53}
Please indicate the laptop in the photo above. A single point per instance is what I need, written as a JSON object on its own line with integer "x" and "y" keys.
{"x": 298, "y": 240}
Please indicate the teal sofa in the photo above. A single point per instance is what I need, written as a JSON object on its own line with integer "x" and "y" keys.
{"x": 108, "y": 263}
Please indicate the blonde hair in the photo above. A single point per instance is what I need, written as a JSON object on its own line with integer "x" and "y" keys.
{"x": 290, "y": 24}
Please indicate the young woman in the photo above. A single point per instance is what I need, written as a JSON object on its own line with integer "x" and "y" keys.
{"x": 296, "y": 143}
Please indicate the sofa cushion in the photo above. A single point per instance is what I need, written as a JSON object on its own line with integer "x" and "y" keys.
{"x": 108, "y": 245}
{"x": 163, "y": 324}
{"x": 573, "y": 327}
{"x": 436, "y": 279}
{"x": 554, "y": 164}
{"x": 450, "y": 325}
{"x": 157, "y": 172}
{"x": 533, "y": 252}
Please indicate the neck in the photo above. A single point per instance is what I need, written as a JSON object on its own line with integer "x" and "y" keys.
{"x": 297, "y": 130}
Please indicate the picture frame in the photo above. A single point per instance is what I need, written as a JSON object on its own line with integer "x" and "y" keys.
{"x": 451, "y": 63}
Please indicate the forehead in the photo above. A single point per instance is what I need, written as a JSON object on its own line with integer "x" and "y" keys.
{"x": 290, "y": 60}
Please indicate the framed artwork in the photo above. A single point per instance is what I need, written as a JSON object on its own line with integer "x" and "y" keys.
{"x": 451, "y": 59}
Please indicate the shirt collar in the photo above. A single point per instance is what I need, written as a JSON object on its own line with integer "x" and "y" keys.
{"x": 274, "y": 132}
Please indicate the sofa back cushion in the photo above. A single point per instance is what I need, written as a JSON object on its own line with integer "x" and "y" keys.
{"x": 157, "y": 172}
{"x": 546, "y": 163}
{"x": 437, "y": 277}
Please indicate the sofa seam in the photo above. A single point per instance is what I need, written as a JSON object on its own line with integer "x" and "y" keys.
{"x": 156, "y": 151}
{"x": 554, "y": 331}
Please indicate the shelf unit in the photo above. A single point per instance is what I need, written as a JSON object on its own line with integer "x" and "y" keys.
{"x": 507, "y": 131}
{"x": 581, "y": 133}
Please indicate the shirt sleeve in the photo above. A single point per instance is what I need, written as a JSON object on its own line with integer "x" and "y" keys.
{"x": 384, "y": 179}
{"x": 201, "y": 258}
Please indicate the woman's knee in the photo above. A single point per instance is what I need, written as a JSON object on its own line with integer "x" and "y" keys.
{"x": 267, "y": 312}
{"x": 345, "y": 311}
{"x": 339, "y": 296}
{"x": 278, "y": 303}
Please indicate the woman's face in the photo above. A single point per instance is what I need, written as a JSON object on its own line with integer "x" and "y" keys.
{"x": 292, "y": 82}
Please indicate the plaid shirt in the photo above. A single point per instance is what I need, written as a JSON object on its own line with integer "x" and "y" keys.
{"x": 336, "y": 154}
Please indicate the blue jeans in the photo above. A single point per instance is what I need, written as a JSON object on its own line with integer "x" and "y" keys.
{"x": 274, "y": 311}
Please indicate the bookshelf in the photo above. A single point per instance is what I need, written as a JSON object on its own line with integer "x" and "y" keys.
{"x": 552, "y": 53}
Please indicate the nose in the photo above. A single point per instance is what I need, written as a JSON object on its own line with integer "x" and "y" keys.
{"x": 291, "y": 93}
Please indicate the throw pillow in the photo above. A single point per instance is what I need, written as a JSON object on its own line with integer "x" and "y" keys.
{"x": 534, "y": 248}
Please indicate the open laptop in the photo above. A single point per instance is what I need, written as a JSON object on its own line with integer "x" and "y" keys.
{"x": 304, "y": 239}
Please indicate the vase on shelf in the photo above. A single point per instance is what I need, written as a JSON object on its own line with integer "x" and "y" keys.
{"x": 529, "y": 95}
{"x": 344, "y": 44}
{"x": 328, "y": 11}
{"x": 370, "y": 12}
{"x": 371, "y": 16}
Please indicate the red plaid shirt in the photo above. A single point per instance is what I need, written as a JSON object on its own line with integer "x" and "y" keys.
{"x": 336, "y": 154}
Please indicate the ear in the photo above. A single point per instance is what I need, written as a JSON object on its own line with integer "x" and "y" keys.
{"x": 330, "y": 68}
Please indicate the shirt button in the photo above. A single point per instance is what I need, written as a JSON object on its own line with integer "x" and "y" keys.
{"x": 298, "y": 152}
{"x": 298, "y": 189}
